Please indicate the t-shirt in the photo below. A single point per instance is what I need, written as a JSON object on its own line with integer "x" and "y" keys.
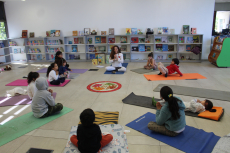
{"x": 119, "y": 62}
{"x": 194, "y": 106}
{"x": 31, "y": 89}
{"x": 52, "y": 76}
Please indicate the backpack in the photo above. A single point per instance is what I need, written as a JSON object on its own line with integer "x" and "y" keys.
{"x": 196, "y": 50}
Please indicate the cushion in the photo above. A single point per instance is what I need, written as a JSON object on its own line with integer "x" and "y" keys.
{"x": 212, "y": 115}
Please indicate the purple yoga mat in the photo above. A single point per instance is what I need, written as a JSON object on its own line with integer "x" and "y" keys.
{"x": 44, "y": 70}
{"x": 17, "y": 100}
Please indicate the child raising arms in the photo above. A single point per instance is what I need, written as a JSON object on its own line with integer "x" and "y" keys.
{"x": 172, "y": 68}
{"x": 31, "y": 88}
{"x": 151, "y": 64}
{"x": 52, "y": 75}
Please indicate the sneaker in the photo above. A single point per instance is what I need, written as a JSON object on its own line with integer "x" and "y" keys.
{"x": 160, "y": 73}
{"x": 166, "y": 75}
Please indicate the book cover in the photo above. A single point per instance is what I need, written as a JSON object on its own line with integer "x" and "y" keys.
{"x": 101, "y": 58}
{"x": 134, "y": 31}
{"x": 165, "y": 47}
{"x": 103, "y": 39}
{"x": 170, "y": 47}
{"x": 39, "y": 56}
{"x": 160, "y": 30}
{"x": 124, "y": 56}
{"x": 31, "y": 34}
{"x": 75, "y": 40}
{"x": 74, "y": 48}
{"x": 90, "y": 40}
{"x": 47, "y": 33}
{"x": 123, "y": 39}
{"x": 181, "y": 48}
{"x": 107, "y": 59}
{"x": 148, "y": 48}
{"x": 80, "y": 40}
{"x": 134, "y": 40}
{"x": 81, "y": 33}
{"x": 189, "y": 39}
{"x": 159, "y": 47}
{"x": 172, "y": 31}
{"x": 170, "y": 56}
{"x": 134, "y": 48}
{"x": 57, "y": 33}
{"x": 170, "y": 39}
{"x": 141, "y": 40}
{"x": 139, "y": 32}
{"x": 141, "y": 47}
{"x": 188, "y": 48}
{"x": 70, "y": 42}
{"x": 181, "y": 39}
{"x": 111, "y": 31}
{"x": 218, "y": 47}
{"x": 213, "y": 55}
{"x": 18, "y": 50}
{"x": 128, "y": 31}
{"x": 110, "y": 48}
{"x": 15, "y": 51}
{"x": 111, "y": 40}
{"x": 185, "y": 29}
{"x": 182, "y": 57}
{"x": 71, "y": 56}
{"x": 94, "y": 31}
{"x": 123, "y": 48}
{"x": 159, "y": 57}
{"x": 91, "y": 48}
{"x": 164, "y": 39}
{"x": 43, "y": 57}
{"x": 52, "y": 33}
{"x": 158, "y": 39}
{"x": 193, "y": 30}
{"x": 33, "y": 57}
{"x": 147, "y": 39}
{"x": 94, "y": 61}
{"x": 165, "y": 30}
{"x": 103, "y": 32}
{"x": 75, "y": 33}
{"x": 102, "y": 48}
{"x": 52, "y": 57}
{"x": 24, "y": 34}
{"x": 195, "y": 39}
{"x": 97, "y": 39}
{"x": 91, "y": 56}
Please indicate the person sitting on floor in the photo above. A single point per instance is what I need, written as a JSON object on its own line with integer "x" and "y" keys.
{"x": 43, "y": 103}
{"x": 151, "y": 63}
{"x": 52, "y": 75}
{"x": 59, "y": 59}
{"x": 116, "y": 58}
{"x": 89, "y": 138}
{"x": 31, "y": 88}
{"x": 63, "y": 70}
{"x": 172, "y": 68}
{"x": 170, "y": 118}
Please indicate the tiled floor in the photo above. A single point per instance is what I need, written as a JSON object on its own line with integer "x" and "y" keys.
{"x": 75, "y": 95}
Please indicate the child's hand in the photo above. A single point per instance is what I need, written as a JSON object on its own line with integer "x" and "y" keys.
{"x": 181, "y": 75}
{"x": 56, "y": 72}
{"x": 158, "y": 105}
{"x": 50, "y": 90}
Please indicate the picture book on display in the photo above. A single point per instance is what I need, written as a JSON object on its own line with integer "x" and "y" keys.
{"x": 195, "y": 39}
{"x": 94, "y": 31}
{"x": 103, "y": 32}
{"x": 91, "y": 56}
{"x": 39, "y": 56}
{"x": 24, "y": 33}
{"x": 111, "y": 31}
{"x": 170, "y": 39}
{"x": 33, "y": 57}
{"x": 181, "y": 39}
{"x": 141, "y": 40}
{"x": 148, "y": 48}
{"x": 47, "y": 33}
{"x": 111, "y": 40}
{"x": 100, "y": 58}
{"x": 165, "y": 47}
{"x": 160, "y": 30}
{"x": 52, "y": 33}
{"x": 102, "y": 48}
{"x": 31, "y": 34}
{"x": 90, "y": 40}
{"x": 81, "y": 33}
{"x": 159, "y": 47}
{"x": 181, "y": 48}
{"x": 134, "y": 48}
{"x": 57, "y": 33}
{"x": 123, "y": 39}
{"x": 185, "y": 29}
{"x": 123, "y": 48}
{"x": 172, "y": 31}
{"x": 147, "y": 39}
{"x": 107, "y": 59}
{"x": 193, "y": 30}
{"x": 159, "y": 57}
{"x": 74, "y": 48}
{"x": 141, "y": 47}
{"x": 158, "y": 39}
{"x": 94, "y": 62}
{"x": 170, "y": 47}
{"x": 124, "y": 56}
{"x": 75, "y": 40}
{"x": 86, "y": 31}
{"x": 188, "y": 48}
{"x": 128, "y": 31}
{"x": 52, "y": 56}
{"x": 164, "y": 39}
{"x": 134, "y": 31}
{"x": 80, "y": 40}
{"x": 170, "y": 56}
{"x": 189, "y": 39}
{"x": 134, "y": 40}
{"x": 103, "y": 39}
{"x": 75, "y": 33}
{"x": 97, "y": 39}
{"x": 139, "y": 32}
{"x": 165, "y": 30}
{"x": 91, "y": 48}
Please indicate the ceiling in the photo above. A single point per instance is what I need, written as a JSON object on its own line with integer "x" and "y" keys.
{"x": 222, "y": 1}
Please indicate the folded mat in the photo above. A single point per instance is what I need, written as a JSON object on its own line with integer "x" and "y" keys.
{"x": 143, "y": 101}
{"x": 17, "y": 100}
{"x": 37, "y": 150}
{"x": 186, "y": 76}
{"x": 24, "y": 124}
{"x": 197, "y": 92}
{"x": 191, "y": 140}
{"x": 23, "y": 82}
{"x": 71, "y": 76}
{"x": 118, "y": 72}
{"x": 117, "y": 145}
{"x": 143, "y": 70}
{"x": 102, "y": 118}
{"x": 222, "y": 145}
{"x": 93, "y": 70}
{"x": 44, "y": 70}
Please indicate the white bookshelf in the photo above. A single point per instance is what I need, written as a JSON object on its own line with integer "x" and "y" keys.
{"x": 18, "y": 52}
{"x": 5, "y": 55}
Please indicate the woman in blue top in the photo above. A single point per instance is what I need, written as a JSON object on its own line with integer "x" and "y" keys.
{"x": 170, "y": 118}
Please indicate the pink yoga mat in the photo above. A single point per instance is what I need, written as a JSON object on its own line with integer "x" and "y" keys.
{"x": 23, "y": 82}
{"x": 17, "y": 100}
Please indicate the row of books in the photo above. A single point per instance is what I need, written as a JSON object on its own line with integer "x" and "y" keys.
{"x": 123, "y": 39}
{"x": 54, "y": 42}
{"x": 53, "y": 33}
{"x": 38, "y": 57}
{"x": 141, "y": 48}
{"x": 98, "y": 39}
{"x": 54, "y": 50}
{"x": 165, "y": 39}
{"x": 93, "y": 48}
{"x": 76, "y": 41}
{"x": 12, "y": 43}
{"x": 170, "y": 56}
{"x": 194, "y": 39}
{"x": 35, "y": 42}
{"x": 34, "y": 50}
{"x": 140, "y": 40}
{"x": 74, "y": 57}
{"x": 2, "y": 45}
{"x": 18, "y": 51}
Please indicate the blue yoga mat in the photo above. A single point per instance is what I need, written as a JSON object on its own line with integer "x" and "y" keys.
{"x": 123, "y": 64}
{"x": 191, "y": 140}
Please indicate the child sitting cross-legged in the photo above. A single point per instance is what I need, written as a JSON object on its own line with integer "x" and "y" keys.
{"x": 172, "y": 68}
{"x": 52, "y": 75}
{"x": 63, "y": 70}
{"x": 151, "y": 64}
{"x": 89, "y": 138}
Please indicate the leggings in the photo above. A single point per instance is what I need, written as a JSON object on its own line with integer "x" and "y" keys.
{"x": 162, "y": 68}
{"x": 53, "y": 109}
{"x": 161, "y": 129}
{"x": 58, "y": 81}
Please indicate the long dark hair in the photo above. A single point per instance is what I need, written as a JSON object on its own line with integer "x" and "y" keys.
{"x": 113, "y": 52}
{"x": 57, "y": 54}
{"x": 209, "y": 105}
{"x": 167, "y": 94}
{"x": 87, "y": 117}
{"x": 32, "y": 76}
{"x": 50, "y": 68}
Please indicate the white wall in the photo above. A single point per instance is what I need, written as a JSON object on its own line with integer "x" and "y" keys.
{"x": 40, "y": 16}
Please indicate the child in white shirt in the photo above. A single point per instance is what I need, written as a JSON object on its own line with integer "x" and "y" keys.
{"x": 31, "y": 88}
{"x": 52, "y": 75}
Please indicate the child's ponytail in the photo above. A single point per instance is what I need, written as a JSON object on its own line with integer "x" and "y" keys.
{"x": 32, "y": 76}
{"x": 49, "y": 69}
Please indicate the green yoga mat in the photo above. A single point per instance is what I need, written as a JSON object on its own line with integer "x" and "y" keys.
{"x": 25, "y": 124}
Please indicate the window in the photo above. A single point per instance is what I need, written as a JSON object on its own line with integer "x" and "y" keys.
{"x": 222, "y": 20}
{"x": 2, "y": 31}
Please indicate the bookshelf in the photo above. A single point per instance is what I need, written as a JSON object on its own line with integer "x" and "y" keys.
{"x": 5, "y": 55}
{"x": 17, "y": 49}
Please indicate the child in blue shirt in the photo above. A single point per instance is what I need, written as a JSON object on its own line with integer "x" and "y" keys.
{"x": 64, "y": 70}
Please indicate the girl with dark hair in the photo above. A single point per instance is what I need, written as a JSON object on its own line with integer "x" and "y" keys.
{"x": 151, "y": 63}
{"x": 116, "y": 58}
{"x": 59, "y": 59}
{"x": 172, "y": 68}
{"x": 31, "y": 88}
{"x": 52, "y": 75}
{"x": 197, "y": 106}
{"x": 170, "y": 118}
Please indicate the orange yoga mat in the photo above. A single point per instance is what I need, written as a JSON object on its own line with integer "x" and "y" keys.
{"x": 186, "y": 76}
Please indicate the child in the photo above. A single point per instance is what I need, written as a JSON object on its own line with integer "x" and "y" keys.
{"x": 170, "y": 118}
{"x": 89, "y": 137}
{"x": 151, "y": 64}
{"x": 116, "y": 58}
{"x": 43, "y": 104}
{"x": 172, "y": 68}
{"x": 63, "y": 69}
{"x": 59, "y": 59}
{"x": 197, "y": 106}
{"x": 31, "y": 88}
{"x": 52, "y": 75}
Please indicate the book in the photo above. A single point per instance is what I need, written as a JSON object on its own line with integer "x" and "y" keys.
{"x": 181, "y": 39}
{"x": 81, "y": 33}
{"x": 185, "y": 29}
{"x": 159, "y": 57}
{"x": 193, "y": 30}
{"x": 86, "y": 31}
{"x": 75, "y": 33}
{"x": 91, "y": 48}
{"x": 111, "y": 31}
{"x": 213, "y": 55}
{"x": 147, "y": 39}
{"x": 52, "y": 57}
{"x": 103, "y": 39}
{"x": 91, "y": 56}
{"x": 159, "y": 47}
{"x": 39, "y": 56}
{"x": 110, "y": 48}
{"x": 170, "y": 48}
{"x": 71, "y": 56}
{"x": 94, "y": 31}
{"x": 111, "y": 40}
{"x": 158, "y": 39}
{"x": 57, "y": 33}
{"x": 160, "y": 30}
{"x": 141, "y": 40}
{"x": 134, "y": 31}
{"x": 97, "y": 39}
{"x": 70, "y": 42}
{"x": 181, "y": 48}
{"x": 75, "y": 40}
{"x": 141, "y": 47}
{"x": 43, "y": 57}
{"x": 107, "y": 59}
{"x": 52, "y": 33}
{"x": 15, "y": 51}
{"x": 195, "y": 39}
{"x": 100, "y": 58}
{"x": 218, "y": 47}
{"x": 164, "y": 39}
{"x": 123, "y": 39}
{"x": 123, "y": 48}
{"x": 124, "y": 56}
{"x": 182, "y": 57}
{"x": 189, "y": 39}
{"x": 170, "y": 39}
{"x": 47, "y": 33}
{"x": 103, "y": 32}
{"x": 139, "y": 32}
{"x": 171, "y": 31}
{"x": 80, "y": 40}
{"x": 165, "y": 47}
{"x": 94, "y": 62}
{"x": 134, "y": 48}
{"x": 24, "y": 34}
{"x": 188, "y": 48}
{"x": 102, "y": 48}
{"x": 134, "y": 40}
{"x": 31, "y": 34}
{"x": 128, "y": 31}
{"x": 165, "y": 30}
{"x": 170, "y": 56}
{"x": 148, "y": 48}
{"x": 74, "y": 48}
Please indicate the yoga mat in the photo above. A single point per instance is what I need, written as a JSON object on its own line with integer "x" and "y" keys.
{"x": 118, "y": 72}
{"x": 71, "y": 76}
{"x": 191, "y": 140}
{"x": 117, "y": 145}
{"x": 23, "y": 82}
{"x": 155, "y": 77}
{"x": 142, "y": 70}
{"x": 25, "y": 124}
{"x": 44, "y": 70}
{"x": 93, "y": 70}
{"x": 102, "y": 118}
{"x": 37, "y": 150}
{"x": 22, "y": 66}
{"x": 197, "y": 92}
{"x": 17, "y": 100}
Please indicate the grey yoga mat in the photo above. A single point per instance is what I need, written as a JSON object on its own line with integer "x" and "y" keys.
{"x": 197, "y": 92}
